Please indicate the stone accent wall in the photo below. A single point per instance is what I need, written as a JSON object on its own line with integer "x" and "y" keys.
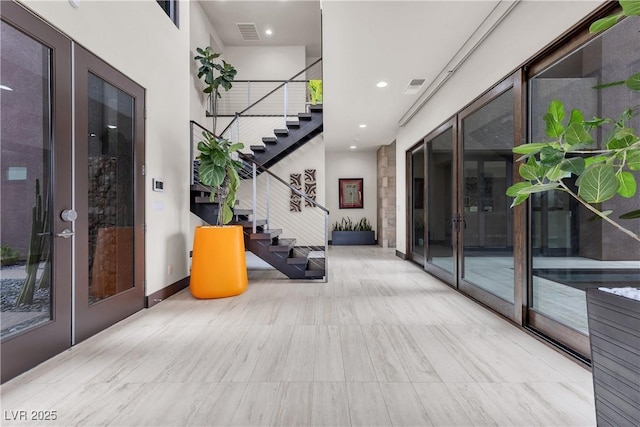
{"x": 387, "y": 196}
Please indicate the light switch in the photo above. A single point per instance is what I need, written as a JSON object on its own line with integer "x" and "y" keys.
{"x": 157, "y": 185}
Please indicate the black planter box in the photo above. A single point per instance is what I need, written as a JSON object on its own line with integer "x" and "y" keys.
{"x": 353, "y": 238}
{"x": 614, "y": 329}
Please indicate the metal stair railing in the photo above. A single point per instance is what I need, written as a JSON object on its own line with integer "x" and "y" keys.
{"x": 253, "y": 108}
{"x": 268, "y": 197}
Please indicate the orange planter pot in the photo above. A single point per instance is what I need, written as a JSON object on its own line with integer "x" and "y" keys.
{"x": 218, "y": 266}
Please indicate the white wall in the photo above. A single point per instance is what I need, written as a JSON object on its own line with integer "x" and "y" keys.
{"x": 527, "y": 29}
{"x": 266, "y": 62}
{"x": 352, "y": 164}
{"x": 112, "y": 31}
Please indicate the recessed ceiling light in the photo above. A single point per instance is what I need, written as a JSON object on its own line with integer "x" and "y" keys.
{"x": 112, "y": 126}
{"x": 382, "y": 84}
{"x": 3, "y": 87}
{"x": 268, "y": 31}
{"x": 363, "y": 125}
{"x": 353, "y": 147}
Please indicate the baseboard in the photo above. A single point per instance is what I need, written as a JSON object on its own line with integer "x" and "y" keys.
{"x": 165, "y": 293}
{"x": 400, "y": 255}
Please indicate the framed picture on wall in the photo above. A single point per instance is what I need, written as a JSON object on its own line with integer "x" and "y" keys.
{"x": 350, "y": 192}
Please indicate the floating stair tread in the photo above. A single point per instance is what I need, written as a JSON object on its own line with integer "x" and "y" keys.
{"x": 266, "y": 234}
{"x": 284, "y": 245}
{"x": 293, "y": 124}
{"x": 316, "y": 255}
{"x": 238, "y": 211}
{"x": 270, "y": 140}
{"x": 205, "y": 199}
{"x": 304, "y": 116}
{"x": 297, "y": 260}
{"x": 257, "y": 148}
{"x": 249, "y": 224}
{"x": 317, "y": 107}
{"x": 314, "y": 274}
{"x": 281, "y": 131}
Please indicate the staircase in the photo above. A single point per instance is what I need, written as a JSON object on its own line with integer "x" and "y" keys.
{"x": 294, "y": 257}
{"x": 274, "y": 148}
{"x": 293, "y": 243}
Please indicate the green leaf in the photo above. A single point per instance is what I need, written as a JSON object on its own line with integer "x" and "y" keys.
{"x": 630, "y": 215}
{"x": 235, "y": 147}
{"x": 598, "y": 183}
{"x": 610, "y": 84}
{"x": 628, "y": 185}
{"x": 556, "y": 110}
{"x": 622, "y": 142}
{"x": 555, "y": 173}
{"x": 595, "y": 122}
{"x": 549, "y": 156}
{"x": 531, "y": 148}
{"x": 630, "y": 7}
{"x": 514, "y": 190}
{"x": 529, "y": 172}
{"x": 576, "y": 117}
{"x": 633, "y": 82}
{"x": 554, "y": 128}
{"x": 553, "y": 119}
{"x": 577, "y": 134}
{"x": 604, "y": 23}
{"x": 633, "y": 160}
{"x": 210, "y": 174}
{"x": 575, "y": 165}
{"x": 538, "y": 188}
{"x": 594, "y": 160}
{"x": 519, "y": 199}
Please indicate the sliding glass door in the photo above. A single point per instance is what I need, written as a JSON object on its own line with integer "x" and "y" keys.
{"x": 486, "y": 170}
{"x": 442, "y": 220}
{"x": 416, "y": 161}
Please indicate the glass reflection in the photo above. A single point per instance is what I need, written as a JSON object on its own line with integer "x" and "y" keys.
{"x": 440, "y": 204}
{"x": 571, "y": 251}
{"x": 417, "y": 205}
{"x": 25, "y": 126}
{"x": 110, "y": 183}
{"x": 487, "y": 172}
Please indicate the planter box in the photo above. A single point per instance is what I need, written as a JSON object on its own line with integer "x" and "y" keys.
{"x": 614, "y": 329}
{"x": 353, "y": 238}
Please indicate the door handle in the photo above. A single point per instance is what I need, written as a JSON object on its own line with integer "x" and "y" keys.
{"x": 66, "y": 233}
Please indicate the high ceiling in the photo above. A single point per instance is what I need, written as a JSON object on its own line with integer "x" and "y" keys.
{"x": 363, "y": 42}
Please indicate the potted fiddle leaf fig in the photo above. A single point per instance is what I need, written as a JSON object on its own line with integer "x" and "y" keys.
{"x": 215, "y": 76}
{"x": 218, "y": 267}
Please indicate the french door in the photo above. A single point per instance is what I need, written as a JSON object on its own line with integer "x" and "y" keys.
{"x": 458, "y": 176}
{"x": 72, "y": 193}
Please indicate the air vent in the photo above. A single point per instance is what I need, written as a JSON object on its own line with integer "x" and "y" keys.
{"x": 413, "y": 87}
{"x": 249, "y": 32}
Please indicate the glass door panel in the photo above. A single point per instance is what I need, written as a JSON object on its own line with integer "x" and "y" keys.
{"x": 418, "y": 205}
{"x": 440, "y": 167}
{"x": 487, "y": 219}
{"x": 569, "y": 250}
{"x": 110, "y": 194}
{"x": 26, "y": 182}
{"x": 35, "y": 268}
{"x": 110, "y": 142}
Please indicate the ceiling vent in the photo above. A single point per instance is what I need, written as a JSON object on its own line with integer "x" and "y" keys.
{"x": 249, "y": 32}
{"x": 413, "y": 87}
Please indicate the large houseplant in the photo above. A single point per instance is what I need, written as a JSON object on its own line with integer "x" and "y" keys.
{"x": 218, "y": 267}
{"x": 215, "y": 76}
{"x": 603, "y": 171}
